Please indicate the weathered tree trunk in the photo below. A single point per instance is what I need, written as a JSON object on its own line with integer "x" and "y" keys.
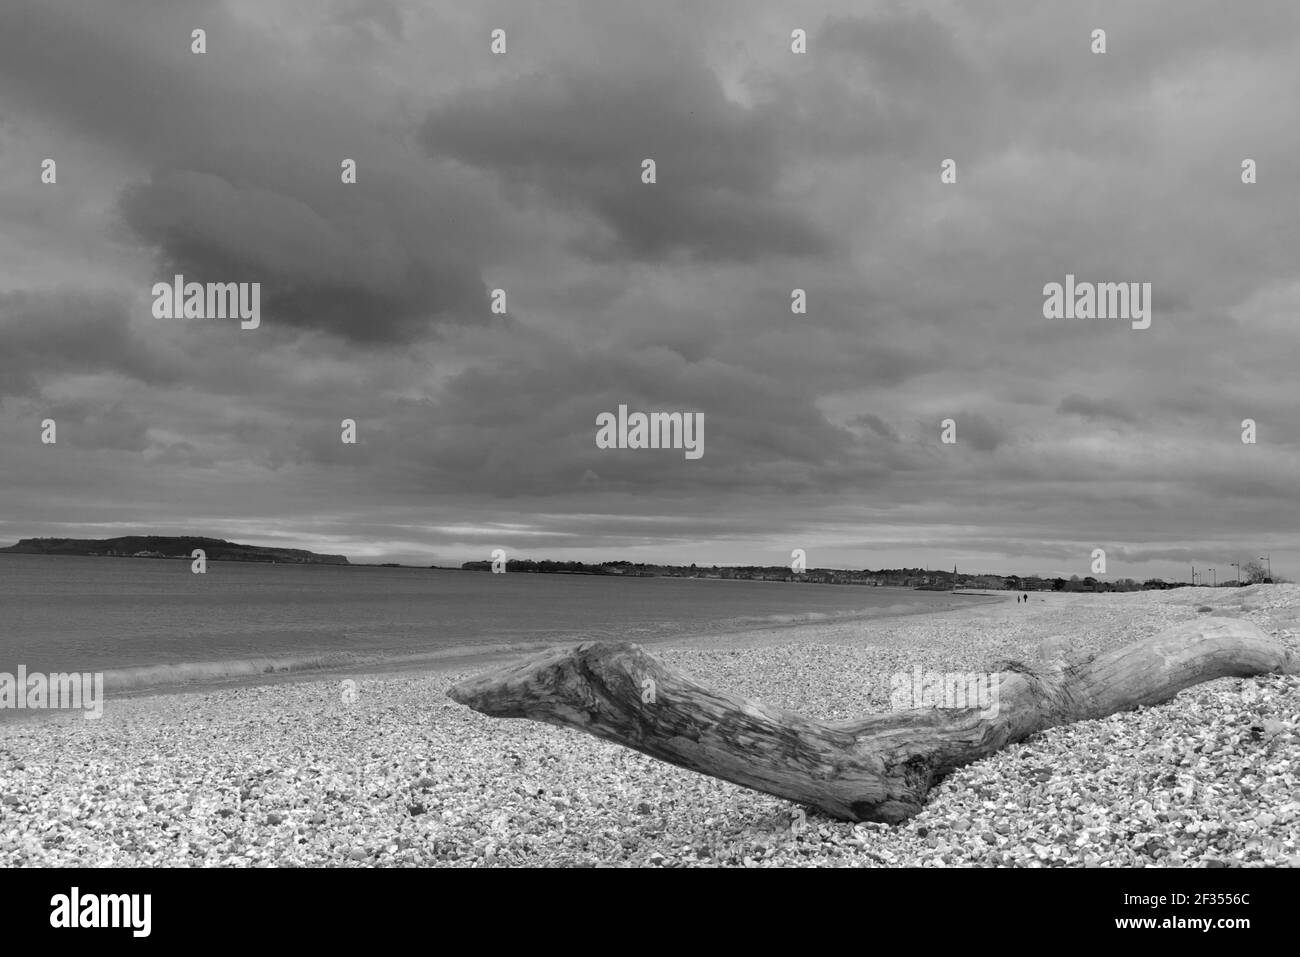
{"x": 875, "y": 768}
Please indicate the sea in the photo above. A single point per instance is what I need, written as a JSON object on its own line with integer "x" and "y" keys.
{"x": 152, "y": 624}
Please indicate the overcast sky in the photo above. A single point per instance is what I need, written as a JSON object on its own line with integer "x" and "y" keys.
{"x": 775, "y": 171}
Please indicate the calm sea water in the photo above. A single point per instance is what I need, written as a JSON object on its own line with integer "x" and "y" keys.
{"x": 152, "y": 622}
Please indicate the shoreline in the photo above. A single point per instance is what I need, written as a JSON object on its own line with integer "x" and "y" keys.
{"x": 452, "y": 658}
{"x": 289, "y": 773}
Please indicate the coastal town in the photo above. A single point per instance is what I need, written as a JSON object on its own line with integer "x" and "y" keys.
{"x": 920, "y": 578}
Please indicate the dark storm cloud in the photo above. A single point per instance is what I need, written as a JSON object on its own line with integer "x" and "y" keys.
{"x": 315, "y": 274}
{"x": 898, "y": 106}
{"x": 238, "y": 162}
{"x": 538, "y": 435}
{"x": 46, "y": 334}
{"x": 578, "y": 135}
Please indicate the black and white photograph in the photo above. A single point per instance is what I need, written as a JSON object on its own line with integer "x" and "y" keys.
{"x": 681, "y": 435}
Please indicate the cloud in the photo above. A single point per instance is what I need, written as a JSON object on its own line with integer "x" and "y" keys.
{"x": 1096, "y": 408}
{"x": 775, "y": 171}
{"x": 979, "y": 432}
{"x": 375, "y": 19}
{"x": 877, "y": 425}
{"x": 316, "y": 275}
{"x": 575, "y": 136}
{"x": 48, "y": 333}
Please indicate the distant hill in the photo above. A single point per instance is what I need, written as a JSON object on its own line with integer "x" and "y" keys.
{"x": 158, "y": 546}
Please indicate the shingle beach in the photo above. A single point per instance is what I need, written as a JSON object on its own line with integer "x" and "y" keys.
{"x": 292, "y": 774}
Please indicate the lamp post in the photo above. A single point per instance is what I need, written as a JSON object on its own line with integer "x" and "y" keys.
{"x": 1237, "y": 565}
{"x": 1193, "y": 576}
{"x": 1214, "y": 579}
{"x": 1269, "y": 559}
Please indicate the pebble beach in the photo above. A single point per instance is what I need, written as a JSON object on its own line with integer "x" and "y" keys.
{"x": 388, "y": 772}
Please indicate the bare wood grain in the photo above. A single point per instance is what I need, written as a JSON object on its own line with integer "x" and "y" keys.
{"x": 874, "y": 768}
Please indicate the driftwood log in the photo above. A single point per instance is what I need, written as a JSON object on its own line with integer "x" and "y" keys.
{"x": 874, "y": 768}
